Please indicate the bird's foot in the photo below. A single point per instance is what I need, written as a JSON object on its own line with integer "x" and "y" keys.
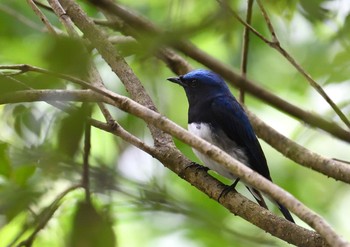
{"x": 227, "y": 189}
{"x": 195, "y": 166}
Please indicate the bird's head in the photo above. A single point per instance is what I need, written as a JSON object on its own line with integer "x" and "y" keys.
{"x": 201, "y": 85}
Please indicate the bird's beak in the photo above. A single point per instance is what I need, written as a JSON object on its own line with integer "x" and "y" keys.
{"x": 176, "y": 80}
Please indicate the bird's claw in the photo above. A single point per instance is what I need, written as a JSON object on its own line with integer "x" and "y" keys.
{"x": 227, "y": 189}
{"x": 193, "y": 165}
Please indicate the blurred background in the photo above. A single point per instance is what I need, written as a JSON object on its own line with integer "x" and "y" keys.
{"x": 134, "y": 195}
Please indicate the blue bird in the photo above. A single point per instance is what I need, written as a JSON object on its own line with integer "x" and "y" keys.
{"x": 215, "y": 115}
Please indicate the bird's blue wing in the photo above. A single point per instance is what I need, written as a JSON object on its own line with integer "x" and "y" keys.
{"x": 232, "y": 119}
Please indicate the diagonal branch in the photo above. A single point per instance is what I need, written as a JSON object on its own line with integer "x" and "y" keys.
{"x": 295, "y": 152}
{"x": 288, "y": 148}
{"x": 245, "y": 48}
{"x": 245, "y": 173}
{"x": 86, "y": 166}
{"x": 134, "y": 24}
{"x": 117, "y": 63}
{"x": 276, "y": 45}
{"x": 44, "y": 218}
{"x": 42, "y": 17}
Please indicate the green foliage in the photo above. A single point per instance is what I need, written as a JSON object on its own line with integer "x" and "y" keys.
{"x": 7, "y": 85}
{"x": 314, "y": 11}
{"x": 91, "y": 228}
{"x": 25, "y": 120}
{"x": 71, "y": 131}
{"x": 5, "y": 167}
{"x": 66, "y": 55}
{"x": 16, "y": 195}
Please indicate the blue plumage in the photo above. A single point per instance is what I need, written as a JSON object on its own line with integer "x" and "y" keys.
{"x": 216, "y": 116}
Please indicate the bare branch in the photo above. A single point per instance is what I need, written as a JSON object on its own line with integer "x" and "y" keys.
{"x": 145, "y": 27}
{"x": 42, "y": 5}
{"x": 114, "y": 60}
{"x": 225, "y": 6}
{"x": 20, "y": 17}
{"x": 245, "y": 48}
{"x": 86, "y": 167}
{"x": 118, "y": 130}
{"x": 42, "y": 17}
{"x": 276, "y": 44}
{"x": 298, "y": 153}
{"x": 45, "y": 216}
{"x": 64, "y": 19}
{"x": 284, "y": 145}
{"x": 237, "y": 168}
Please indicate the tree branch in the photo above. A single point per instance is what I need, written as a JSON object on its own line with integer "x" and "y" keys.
{"x": 292, "y": 150}
{"x": 285, "y": 146}
{"x": 276, "y": 45}
{"x": 245, "y": 48}
{"x": 86, "y": 167}
{"x": 238, "y": 169}
{"x": 42, "y": 17}
{"x": 20, "y": 17}
{"x": 44, "y": 217}
{"x": 117, "y": 63}
{"x": 64, "y": 19}
{"x": 173, "y": 159}
{"x": 134, "y": 24}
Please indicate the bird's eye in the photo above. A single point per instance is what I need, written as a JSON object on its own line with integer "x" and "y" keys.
{"x": 193, "y": 83}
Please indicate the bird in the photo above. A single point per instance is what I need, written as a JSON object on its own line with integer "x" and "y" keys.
{"x": 216, "y": 116}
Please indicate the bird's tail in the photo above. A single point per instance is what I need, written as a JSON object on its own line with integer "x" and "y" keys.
{"x": 285, "y": 212}
{"x": 259, "y": 198}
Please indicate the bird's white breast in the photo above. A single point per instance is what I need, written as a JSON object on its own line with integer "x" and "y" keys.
{"x": 219, "y": 139}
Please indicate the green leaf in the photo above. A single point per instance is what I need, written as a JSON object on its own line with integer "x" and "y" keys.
{"x": 17, "y": 112}
{"x": 91, "y": 228}
{"x": 24, "y": 120}
{"x": 30, "y": 121}
{"x": 66, "y": 55}
{"x": 283, "y": 8}
{"x": 5, "y": 166}
{"x": 71, "y": 132}
{"x": 313, "y": 10}
{"x": 19, "y": 109}
{"x": 14, "y": 199}
{"x": 7, "y": 85}
{"x": 42, "y": 81}
{"x": 340, "y": 67}
{"x": 21, "y": 174}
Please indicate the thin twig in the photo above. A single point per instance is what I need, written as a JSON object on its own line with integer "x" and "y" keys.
{"x": 58, "y": 105}
{"x": 86, "y": 167}
{"x": 118, "y": 130}
{"x": 20, "y": 17}
{"x": 117, "y": 63}
{"x": 245, "y": 48}
{"x": 45, "y": 216}
{"x": 94, "y": 75}
{"x": 225, "y": 6}
{"x": 276, "y": 44}
{"x": 42, "y": 5}
{"x": 269, "y": 24}
{"x": 64, "y": 19}
{"x": 42, "y": 17}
